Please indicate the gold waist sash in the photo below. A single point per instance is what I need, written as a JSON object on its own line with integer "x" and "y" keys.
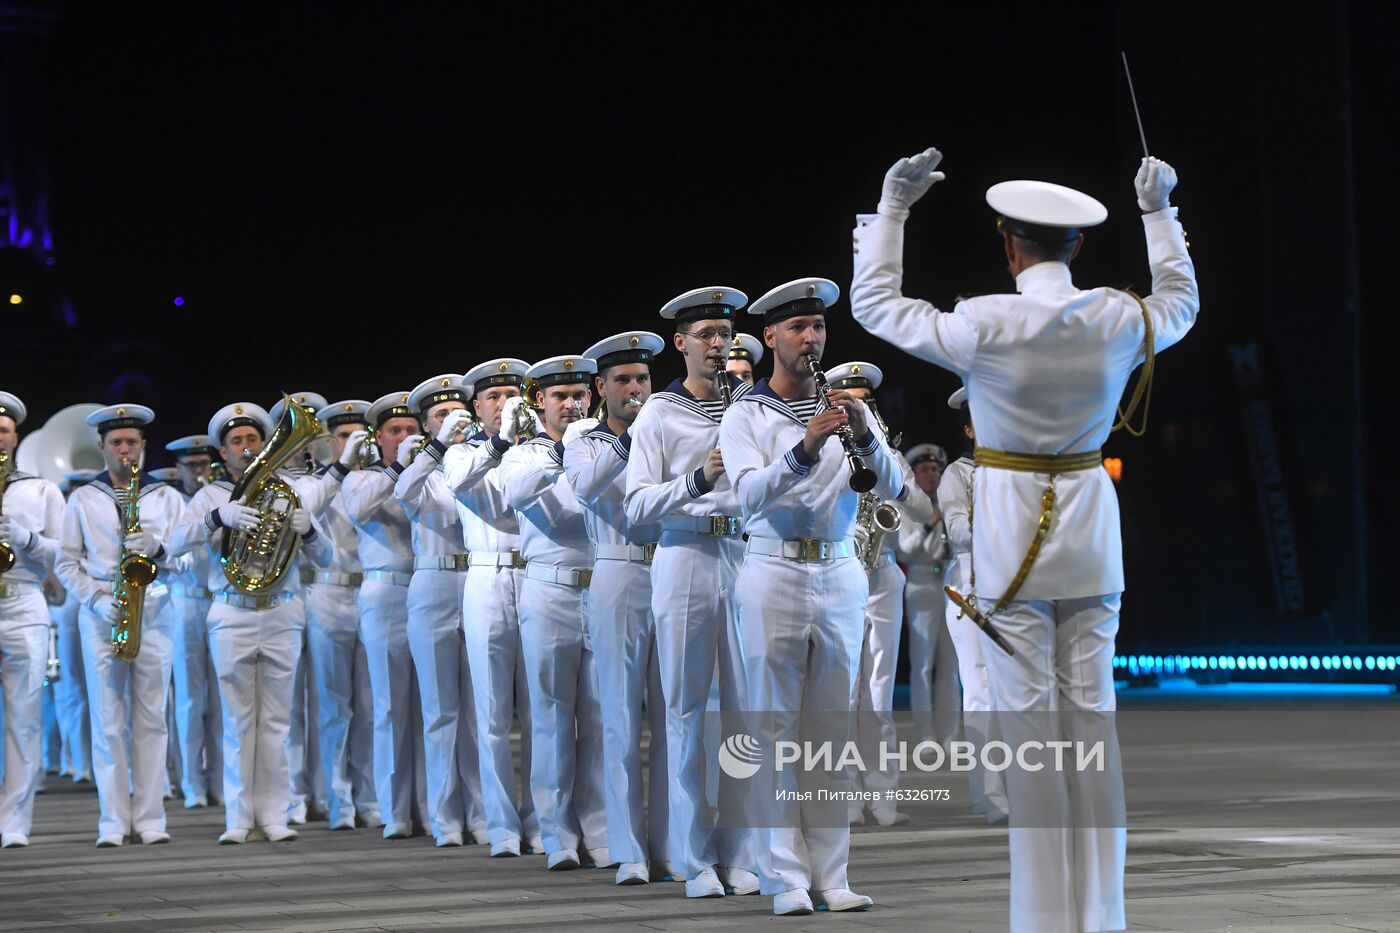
{"x": 1037, "y": 463}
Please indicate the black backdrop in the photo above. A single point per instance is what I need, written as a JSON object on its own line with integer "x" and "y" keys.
{"x": 352, "y": 198}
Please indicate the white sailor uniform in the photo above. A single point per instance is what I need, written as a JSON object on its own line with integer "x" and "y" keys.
{"x": 566, "y": 766}
{"x": 491, "y": 625}
{"x": 801, "y": 623}
{"x": 1044, "y": 370}
{"x": 123, "y": 696}
{"x": 35, "y": 505}
{"x": 254, "y": 641}
{"x": 623, "y": 633}
{"x": 437, "y": 643}
{"x": 692, "y": 586}
{"x": 386, "y": 551}
{"x": 987, "y": 788}
{"x": 339, "y": 667}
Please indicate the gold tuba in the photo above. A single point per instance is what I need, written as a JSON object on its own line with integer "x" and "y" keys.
{"x": 135, "y": 572}
{"x": 7, "y": 553}
{"x": 255, "y": 561}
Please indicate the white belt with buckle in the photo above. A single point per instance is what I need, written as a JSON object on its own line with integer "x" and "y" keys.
{"x": 568, "y": 576}
{"x": 510, "y": 559}
{"x": 388, "y": 576}
{"x": 446, "y": 562}
{"x": 190, "y": 592}
{"x": 634, "y": 553}
{"x": 18, "y": 589}
{"x": 805, "y": 550}
{"x": 257, "y": 603}
{"x": 331, "y": 578}
{"x": 719, "y": 526}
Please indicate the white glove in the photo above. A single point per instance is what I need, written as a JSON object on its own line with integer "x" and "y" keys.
{"x": 141, "y": 542}
{"x": 1154, "y": 183}
{"x": 105, "y": 605}
{"x": 407, "y": 448}
{"x": 16, "y": 534}
{"x": 907, "y": 181}
{"x": 237, "y": 516}
{"x": 579, "y": 428}
{"x": 454, "y": 424}
{"x": 301, "y": 521}
{"x": 350, "y": 453}
{"x": 508, "y": 420}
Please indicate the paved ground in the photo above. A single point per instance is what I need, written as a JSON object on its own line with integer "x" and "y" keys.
{"x": 944, "y": 872}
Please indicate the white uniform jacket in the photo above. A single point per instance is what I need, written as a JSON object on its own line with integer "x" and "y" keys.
{"x": 551, "y": 519}
{"x": 93, "y": 531}
{"x": 666, "y": 448}
{"x": 596, "y": 465}
{"x": 1044, "y": 370}
{"x": 385, "y": 539}
{"x": 36, "y": 504}
{"x": 783, "y": 493}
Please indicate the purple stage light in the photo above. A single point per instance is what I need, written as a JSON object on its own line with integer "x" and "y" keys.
{"x": 179, "y": 301}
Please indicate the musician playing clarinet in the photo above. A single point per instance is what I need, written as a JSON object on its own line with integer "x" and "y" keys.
{"x": 797, "y": 457}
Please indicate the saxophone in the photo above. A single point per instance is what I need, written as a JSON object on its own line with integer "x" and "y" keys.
{"x": 135, "y": 572}
{"x": 7, "y": 553}
{"x": 255, "y": 561}
{"x": 874, "y": 520}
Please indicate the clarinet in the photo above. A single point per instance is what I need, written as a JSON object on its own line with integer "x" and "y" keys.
{"x": 863, "y": 479}
{"x": 726, "y": 392}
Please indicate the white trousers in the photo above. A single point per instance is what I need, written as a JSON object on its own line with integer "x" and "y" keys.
{"x": 873, "y": 702}
{"x": 566, "y": 763}
{"x": 126, "y": 701}
{"x": 339, "y": 673}
{"x": 70, "y": 693}
{"x": 500, "y": 693}
{"x": 445, "y": 690}
{"x": 308, "y": 785}
{"x": 24, "y": 656}
{"x": 623, "y": 633}
{"x": 987, "y": 789}
{"x": 255, "y": 654}
{"x": 692, "y": 599}
{"x": 933, "y": 661}
{"x": 800, "y": 630}
{"x": 198, "y": 716}
{"x": 398, "y": 728}
{"x": 1067, "y": 878}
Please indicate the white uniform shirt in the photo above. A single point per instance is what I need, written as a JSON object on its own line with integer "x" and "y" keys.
{"x": 36, "y": 504}
{"x": 380, "y": 522}
{"x": 596, "y": 464}
{"x": 1044, "y": 370}
{"x": 93, "y": 529}
{"x": 551, "y": 519}
{"x": 955, "y": 498}
{"x": 431, "y": 507}
{"x": 200, "y": 528}
{"x": 488, "y": 523}
{"x": 193, "y": 568}
{"x": 666, "y": 448}
{"x": 782, "y": 493}
{"x": 320, "y": 495}
{"x": 915, "y": 508}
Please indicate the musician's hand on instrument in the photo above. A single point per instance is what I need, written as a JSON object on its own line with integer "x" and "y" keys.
{"x": 577, "y": 429}
{"x": 455, "y": 423}
{"x": 141, "y": 542}
{"x": 350, "y": 453}
{"x": 237, "y": 516}
{"x": 407, "y": 448}
{"x": 854, "y": 410}
{"x": 907, "y": 181}
{"x": 1154, "y": 183}
{"x": 514, "y": 403}
{"x": 714, "y": 466}
{"x": 19, "y": 537}
{"x": 301, "y": 521}
{"x": 821, "y": 427}
{"x": 106, "y": 608}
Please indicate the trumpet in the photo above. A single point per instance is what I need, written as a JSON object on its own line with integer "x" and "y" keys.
{"x": 863, "y": 479}
{"x": 369, "y": 447}
{"x": 524, "y": 420}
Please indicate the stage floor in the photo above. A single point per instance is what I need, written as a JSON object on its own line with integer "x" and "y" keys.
{"x": 944, "y": 872}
